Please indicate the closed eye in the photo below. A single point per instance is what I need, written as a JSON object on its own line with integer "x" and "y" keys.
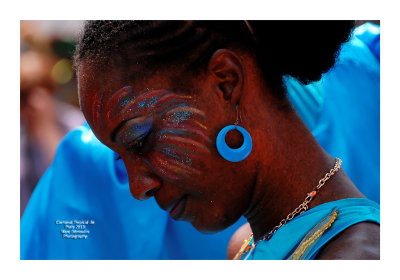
{"x": 139, "y": 143}
{"x": 134, "y": 132}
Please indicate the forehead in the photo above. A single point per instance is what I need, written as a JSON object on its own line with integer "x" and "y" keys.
{"x": 99, "y": 86}
{"x": 110, "y": 77}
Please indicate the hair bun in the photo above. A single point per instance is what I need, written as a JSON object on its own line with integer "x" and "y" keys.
{"x": 302, "y": 49}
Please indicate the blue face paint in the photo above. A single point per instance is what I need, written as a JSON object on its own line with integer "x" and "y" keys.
{"x": 180, "y": 116}
{"x": 125, "y": 102}
{"x": 147, "y": 103}
{"x": 173, "y": 107}
{"x": 184, "y": 159}
{"x": 176, "y": 145}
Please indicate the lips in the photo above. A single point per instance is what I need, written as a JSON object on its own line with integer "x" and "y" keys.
{"x": 178, "y": 209}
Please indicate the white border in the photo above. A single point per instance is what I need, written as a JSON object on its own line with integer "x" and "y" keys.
{"x": 13, "y": 12}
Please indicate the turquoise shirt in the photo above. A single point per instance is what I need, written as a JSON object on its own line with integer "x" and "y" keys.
{"x": 288, "y": 238}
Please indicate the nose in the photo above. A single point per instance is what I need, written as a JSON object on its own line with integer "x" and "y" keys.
{"x": 143, "y": 183}
{"x": 143, "y": 186}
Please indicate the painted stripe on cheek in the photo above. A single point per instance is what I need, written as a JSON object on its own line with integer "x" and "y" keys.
{"x": 184, "y": 142}
{"x": 183, "y": 109}
{"x": 184, "y": 157}
{"x": 182, "y": 130}
{"x": 176, "y": 167}
{"x": 159, "y": 170}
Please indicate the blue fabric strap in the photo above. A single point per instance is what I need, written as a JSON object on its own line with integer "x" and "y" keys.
{"x": 289, "y": 236}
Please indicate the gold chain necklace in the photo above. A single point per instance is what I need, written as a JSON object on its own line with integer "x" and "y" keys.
{"x": 299, "y": 210}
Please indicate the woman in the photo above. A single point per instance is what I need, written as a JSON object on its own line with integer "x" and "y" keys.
{"x": 164, "y": 94}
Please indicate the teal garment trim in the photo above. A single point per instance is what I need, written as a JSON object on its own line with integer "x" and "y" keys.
{"x": 288, "y": 237}
{"x": 310, "y": 240}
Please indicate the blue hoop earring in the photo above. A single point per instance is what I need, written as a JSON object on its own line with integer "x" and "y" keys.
{"x": 234, "y": 155}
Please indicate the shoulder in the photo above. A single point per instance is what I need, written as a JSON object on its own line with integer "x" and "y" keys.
{"x": 242, "y": 234}
{"x": 359, "y": 242}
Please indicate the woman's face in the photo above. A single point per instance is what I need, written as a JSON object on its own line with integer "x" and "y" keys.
{"x": 167, "y": 142}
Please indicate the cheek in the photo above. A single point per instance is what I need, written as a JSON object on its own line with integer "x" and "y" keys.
{"x": 181, "y": 145}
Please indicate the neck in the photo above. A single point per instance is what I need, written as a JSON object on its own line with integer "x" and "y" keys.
{"x": 293, "y": 167}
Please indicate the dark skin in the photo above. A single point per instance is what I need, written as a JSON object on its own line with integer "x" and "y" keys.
{"x": 285, "y": 164}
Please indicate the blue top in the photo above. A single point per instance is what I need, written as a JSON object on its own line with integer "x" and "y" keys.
{"x": 287, "y": 238}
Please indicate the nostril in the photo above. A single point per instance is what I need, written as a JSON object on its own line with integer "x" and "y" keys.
{"x": 143, "y": 186}
{"x": 150, "y": 193}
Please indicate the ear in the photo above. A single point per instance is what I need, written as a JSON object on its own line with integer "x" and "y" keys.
{"x": 227, "y": 74}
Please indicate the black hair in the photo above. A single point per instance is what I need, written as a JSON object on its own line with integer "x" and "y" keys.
{"x": 302, "y": 49}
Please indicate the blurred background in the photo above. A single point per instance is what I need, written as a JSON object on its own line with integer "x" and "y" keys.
{"x": 48, "y": 95}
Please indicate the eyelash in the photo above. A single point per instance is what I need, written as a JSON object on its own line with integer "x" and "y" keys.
{"x": 139, "y": 143}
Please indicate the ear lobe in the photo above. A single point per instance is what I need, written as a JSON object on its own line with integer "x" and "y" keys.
{"x": 227, "y": 73}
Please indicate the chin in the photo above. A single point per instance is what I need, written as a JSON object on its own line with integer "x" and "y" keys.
{"x": 210, "y": 228}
